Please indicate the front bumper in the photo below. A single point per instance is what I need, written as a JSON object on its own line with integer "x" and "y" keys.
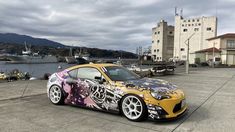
{"x": 159, "y": 112}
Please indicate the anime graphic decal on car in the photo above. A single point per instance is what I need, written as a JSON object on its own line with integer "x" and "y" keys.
{"x": 76, "y": 91}
{"x": 90, "y": 93}
{"x": 150, "y": 84}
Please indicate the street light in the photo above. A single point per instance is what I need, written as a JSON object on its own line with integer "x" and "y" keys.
{"x": 187, "y": 62}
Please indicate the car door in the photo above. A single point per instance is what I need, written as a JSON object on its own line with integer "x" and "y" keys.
{"x": 86, "y": 90}
{"x": 96, "y": 91}
{"x": 91, "y": 90}
{"x": 102, "y": 95}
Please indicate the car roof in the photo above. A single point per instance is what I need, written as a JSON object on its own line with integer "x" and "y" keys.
{"x": 92, "y": 65}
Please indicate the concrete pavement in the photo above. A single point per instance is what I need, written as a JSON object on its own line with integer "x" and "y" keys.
{"x": 210, "y": 96}
{"x": 16, "y": 89}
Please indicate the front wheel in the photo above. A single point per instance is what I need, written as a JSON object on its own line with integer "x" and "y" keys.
{"x": 56, "y": 95}
{"x": 134, "y": 108}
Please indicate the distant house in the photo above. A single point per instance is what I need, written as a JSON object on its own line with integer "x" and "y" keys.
{"x": 206, "y": 55}
{"x": 224, "y": 47}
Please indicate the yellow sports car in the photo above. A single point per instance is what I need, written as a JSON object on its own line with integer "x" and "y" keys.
{"x": 113, "y": 88}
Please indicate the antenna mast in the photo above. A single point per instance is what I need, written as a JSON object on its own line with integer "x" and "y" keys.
{"x": 176, "y": 14}
{"x": 181, "y": 12}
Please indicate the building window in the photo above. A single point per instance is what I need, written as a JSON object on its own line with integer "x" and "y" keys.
{"x": 182, "y": 49}
{"x": 155, "y": 33}
{"x": 198, "y": 20}
{"x": 188, "y": 20}
{"x": 158, "y": 41}
{"x": 196, "y": 29}
{"x": 152, "y": 41}
{"x": 154, "y": 50}
{"x": 182, "y": 25}
{"x": 157, "y": 50}
{"x": 154, "y": 56}
{"x": 231, "y": 44}
{"x": 184, "y": 20}
{"x": 189, "y": 25}
{"x": 185, "y": 30}
{"x": 160, "y": 58}
{"x": 193, "y": 20}
{"x": 199, "y": 24}
{"x": 157, "y": 58}
{"x": 192, "y": 24}
{"x": 158, "y": 32}
{"x": 208, "y": 29}
{"x": 170, "y": 32}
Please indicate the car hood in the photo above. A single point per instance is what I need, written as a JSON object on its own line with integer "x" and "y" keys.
{"x": 150, "y": 83}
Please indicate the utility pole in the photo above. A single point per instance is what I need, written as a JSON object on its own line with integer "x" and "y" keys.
{"x": 187, "y": 61}
{"x": 213, "y": 54}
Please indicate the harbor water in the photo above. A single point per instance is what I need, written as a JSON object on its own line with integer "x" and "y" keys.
{"x": 39, "y": 70}
{"x": 35, "y": 70}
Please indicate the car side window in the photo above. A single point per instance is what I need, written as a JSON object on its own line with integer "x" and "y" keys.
{"x": 89, "y": 73}
{"x": 73, "y": 73}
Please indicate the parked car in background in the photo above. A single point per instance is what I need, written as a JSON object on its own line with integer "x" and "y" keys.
{"x": 163, "y": 69}
{"x": 113, "y": 88}
{"x": 216, "y": 61}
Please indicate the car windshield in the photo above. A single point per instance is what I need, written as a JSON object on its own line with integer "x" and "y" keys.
{"x": 116, "y": 73}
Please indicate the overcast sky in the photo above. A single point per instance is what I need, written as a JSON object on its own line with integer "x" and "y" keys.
{"x": 109, "y": 24}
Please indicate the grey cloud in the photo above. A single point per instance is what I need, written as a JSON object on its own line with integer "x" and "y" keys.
{"x": 111, "y": 24}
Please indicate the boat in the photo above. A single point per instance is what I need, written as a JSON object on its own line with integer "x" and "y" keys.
{"x": 70, "y": 59}
{"x": 3, "y": 76}
{"x": 82, "y": 54}
{"x": 78, "y": 58}
{"x": 29, "y": 57}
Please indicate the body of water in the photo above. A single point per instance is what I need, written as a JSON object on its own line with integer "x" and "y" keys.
{"x": 38, "y": 70}
{"x": 35, "y": 70}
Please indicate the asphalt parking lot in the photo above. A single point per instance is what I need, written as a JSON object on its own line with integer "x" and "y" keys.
{"x": 24, "y": 107}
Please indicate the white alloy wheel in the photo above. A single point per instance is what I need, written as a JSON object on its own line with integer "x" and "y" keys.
{"x": 132, "y": 107}
{"x": 55, "y": 94}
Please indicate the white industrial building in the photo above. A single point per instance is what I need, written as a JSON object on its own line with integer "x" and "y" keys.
{"x": 162, "y": 42}
{"x": 200, "y": 29}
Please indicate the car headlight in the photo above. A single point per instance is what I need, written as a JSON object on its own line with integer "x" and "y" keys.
{"x": 160, "y": 93}
{"x": 160, "y": 96}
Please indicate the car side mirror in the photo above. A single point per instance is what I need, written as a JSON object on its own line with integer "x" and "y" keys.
{"x": 70, "y": 81}
{"x": 59, "y": 67}
{"x": 100, "y": 79}
{"x": 97, "y": 78}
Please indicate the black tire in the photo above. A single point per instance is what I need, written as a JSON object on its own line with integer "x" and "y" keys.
{"x": 143, "y": 115}
{"x": 60, "y": 98}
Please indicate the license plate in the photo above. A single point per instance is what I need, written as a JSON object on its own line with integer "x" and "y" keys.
{"x": 183, "y": 103}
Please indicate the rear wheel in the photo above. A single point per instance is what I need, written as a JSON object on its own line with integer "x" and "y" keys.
{"x": 56, "y": 95}
{"x": 134, "y": 108}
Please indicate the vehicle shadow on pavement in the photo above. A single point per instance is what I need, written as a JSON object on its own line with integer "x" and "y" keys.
{"x": 91, "y": 116}
{"x": 194, "y": 113}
